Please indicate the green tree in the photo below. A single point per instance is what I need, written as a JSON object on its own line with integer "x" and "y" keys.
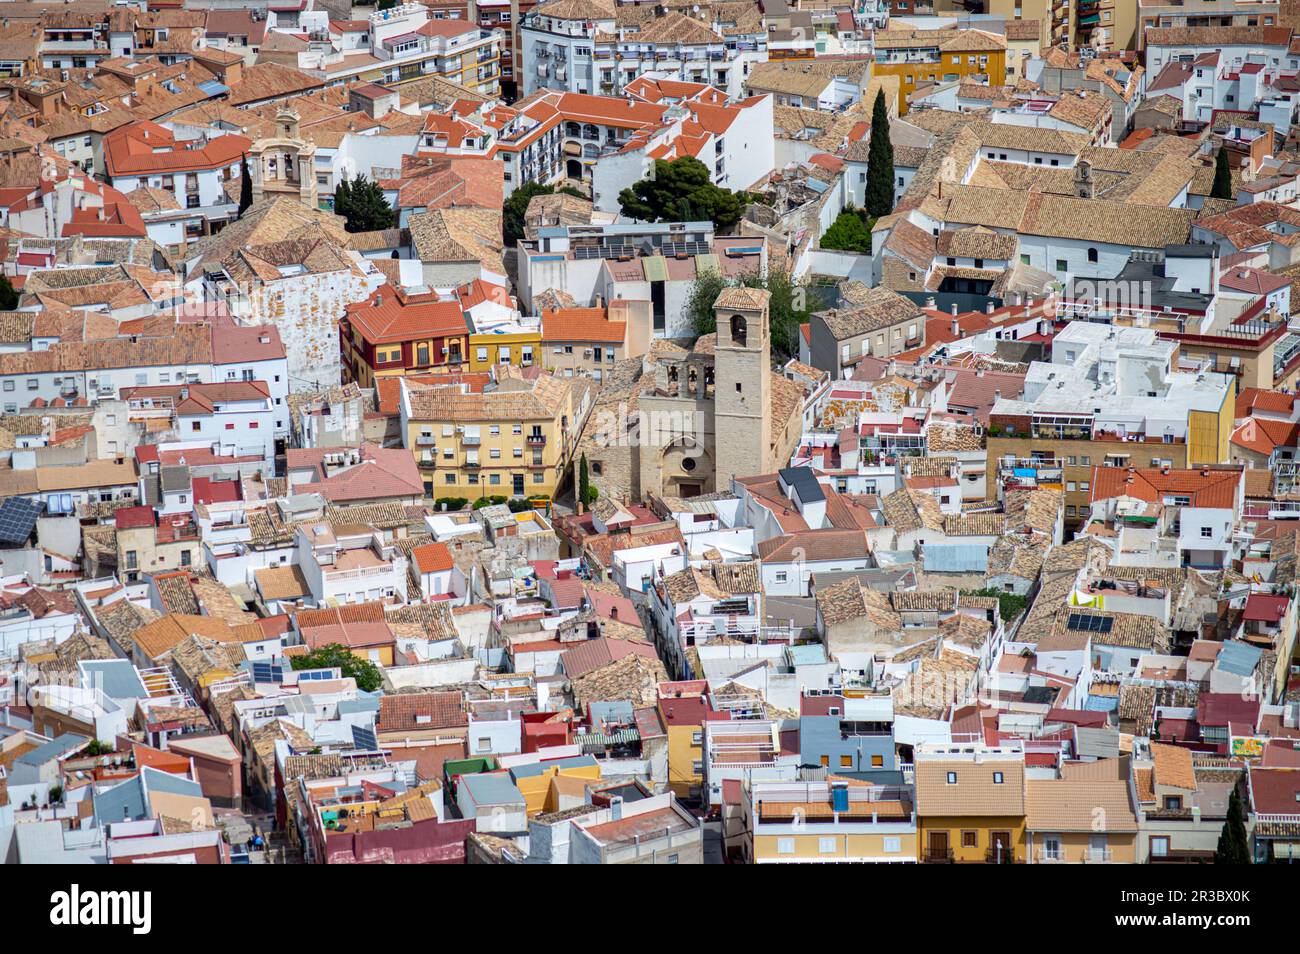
{"x": 8, "y": 296}
{"x": 879, "y": 198}
{"x": 245, "y": 187}
{"x": 1010, "y": 605}
{"x": 787, "y": 307}
{"x": 584, "y": 479}
{"x": 1222, "y": 188}
{"x": 706, "y": 288}
{"x": 363, "y": 671}
{"x": 361, "y": 202}
{"x": 1233, "y": 847}
{"x": 681, "y": 190}
{"x": 848, "y": 233}
{"x": 788, "y": 304}
{"x": 512, "y": 213}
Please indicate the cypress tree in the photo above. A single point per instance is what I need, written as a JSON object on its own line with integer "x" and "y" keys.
{"x": 245, "y": 187}
{"x": 1233, "y": 847}
{"x": 879, "y": 199}
{"x": 1222, "y": 188}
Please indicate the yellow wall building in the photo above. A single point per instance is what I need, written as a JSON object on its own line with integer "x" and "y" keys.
{"x": 519, "y": 347}
{"x": 1085, "y": 817}
{"x": 936, "y": 56}
{"x": 970, "y": 805}
{"x": 514, "y": 439}
{"x": 837, "y": 821}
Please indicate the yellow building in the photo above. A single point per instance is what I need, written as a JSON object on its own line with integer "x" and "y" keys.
{"x": 544, "y": 791}
{"x": 1084, "y": 817}
{"x": 1061, "y": 448}
{"x": 970, "y": 803}
{"x": 836, "y": 821}
{"x": 683, "y": 716}
{"x": 917, "y": 57}
{"x": 516, "y": 345}
{"x": 515, "y": 438}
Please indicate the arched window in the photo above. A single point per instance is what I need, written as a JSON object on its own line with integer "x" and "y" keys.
{"x": 1092, "y": 255}
{"x": 739, "y": 329}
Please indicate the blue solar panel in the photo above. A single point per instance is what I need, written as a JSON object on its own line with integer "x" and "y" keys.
{"x": 18, "y": 519}
{"x": 364, "y": 738}
{"x": 1087, "y": 623}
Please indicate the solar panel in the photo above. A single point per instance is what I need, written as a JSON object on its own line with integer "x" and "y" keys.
{"x": 364, "y": 738}
{"x": 18, "y": 519}
{"x": 267, "y": 672}
{"x": 1087, "y": 623}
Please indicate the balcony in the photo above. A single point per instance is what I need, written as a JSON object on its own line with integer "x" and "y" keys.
{"x": 474, "y": 464}
{"x": 472, "y": 439}
{"x": 1097, "y": 856}
{"x": 938, "y": 856}
{"x": 535, "y": 440}
{"x": 1049, "y": 855}
{"x": 1003, "y": 856}
{"x": 426, "y": 440}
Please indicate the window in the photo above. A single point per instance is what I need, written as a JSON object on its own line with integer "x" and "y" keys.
{"x": 1206, "y": 532}
{"x": 892, "y": 846}
{"x": 997, "y": 778}
{"x": 826, "y": 846}
{"x": 846, "y": 761}
{"x": 970, "y": 839}
{"x": 1062, "y": 265}
{"x": 952, "y": 778}
{"x": 877, "y": 761}
{"x": 781, "y": 576}
{"x": 1092, "y": 255}
{"x": 1173, "y": 803}
{"x": 785, "y": 846}
{"x": 1159, "y": 846}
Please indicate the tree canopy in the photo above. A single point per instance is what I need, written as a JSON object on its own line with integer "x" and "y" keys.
{"x": 365, "y": 672}
{"x": 245, "y": 187}
{"x": 8, "y": 295}
{"x": 848, "y": 233}
{"x": 512, "y": 213}
{"x": 681, "y": 190}
{"x": 1233, "y": 847}
{"x": 1222, "y": 187}
{"x": 879, "y": 198}
{"x": 361, "y": 202}
{"x": 788, "y": 305}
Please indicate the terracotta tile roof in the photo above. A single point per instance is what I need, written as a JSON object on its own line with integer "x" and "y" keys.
{"x": 823, "y": 544}
{"x": 389, "y": 316}
{"x": 407, "y": 711}
{"x": 975, "y": 793}
{"x": 282, "y": 583}
{"x": 1172, "y": 766}
{"x": 1078, "y": 805}
{"x": 166, "y": 633}
{"x": 582, "y": 324}
{"x": 432, "y": 558}
{"x": 586, "y": 657}
{"x": 1215, "y": 488}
